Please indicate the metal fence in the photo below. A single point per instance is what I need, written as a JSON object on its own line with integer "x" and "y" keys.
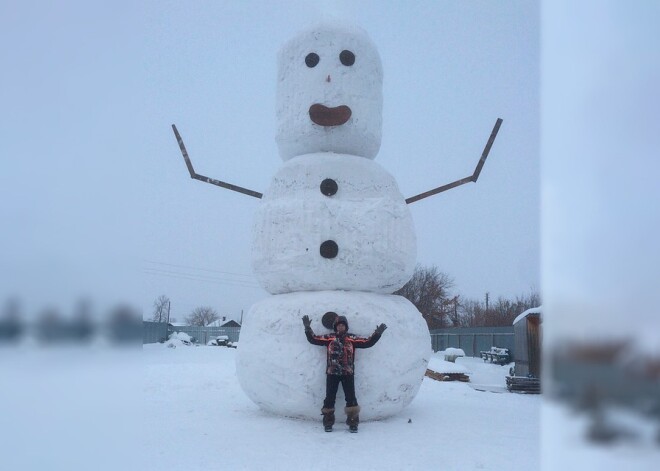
{"x": 473, "y": 340}
{"x": 154, "y": 332}
{"x": 203, "y": 334}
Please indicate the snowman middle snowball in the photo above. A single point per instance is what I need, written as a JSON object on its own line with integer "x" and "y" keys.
{"x": 334, "y": 225}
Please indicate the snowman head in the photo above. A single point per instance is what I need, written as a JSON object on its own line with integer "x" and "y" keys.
{"x": 329, "y": 93}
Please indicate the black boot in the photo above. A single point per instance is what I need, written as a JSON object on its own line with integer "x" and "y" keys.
{"x": 328, "y": 418}
{"x": 352, "y": 418}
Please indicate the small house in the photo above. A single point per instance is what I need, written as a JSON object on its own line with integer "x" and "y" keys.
{"x": 231, "y": 323}
{"x": 527, "y": 335}
{"x": 526, "y": 374}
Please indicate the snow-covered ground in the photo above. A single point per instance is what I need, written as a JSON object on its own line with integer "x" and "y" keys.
{"x": 197, "y": 417}
{"x": 157, "y": 408}
{"x": 565, "y": 447}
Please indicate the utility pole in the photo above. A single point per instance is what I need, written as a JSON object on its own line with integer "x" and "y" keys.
{"x": 487, "y": 295}
{"x": 168, "y": 311}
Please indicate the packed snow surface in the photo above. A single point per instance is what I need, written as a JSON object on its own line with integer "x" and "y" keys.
{"x": 333, "y": 83}
{"x": 198, "y": 418}
{"x": 367, "y": 218}
{"x": 284, "y": 374}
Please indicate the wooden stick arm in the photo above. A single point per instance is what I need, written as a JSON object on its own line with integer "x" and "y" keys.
{"x": 202, "y": 178}
{"x": 471, "y": 178}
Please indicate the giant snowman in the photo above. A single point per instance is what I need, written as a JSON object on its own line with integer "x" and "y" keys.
{"x": 332, "y": 235}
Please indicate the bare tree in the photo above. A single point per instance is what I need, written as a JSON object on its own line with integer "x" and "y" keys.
{"x": 469, "y": 311}
{"x": 501, "y": 313}
{"x": 451, "y": 307}
{"x": 161, "y": 309}
{"x": 428, "y": 290}
{"x": 202, "y": 316}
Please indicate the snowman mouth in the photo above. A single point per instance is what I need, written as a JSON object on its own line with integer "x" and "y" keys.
{"x": 324, "y": 116}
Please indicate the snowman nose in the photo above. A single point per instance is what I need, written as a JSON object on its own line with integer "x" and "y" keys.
{"x": 328, "y": 79}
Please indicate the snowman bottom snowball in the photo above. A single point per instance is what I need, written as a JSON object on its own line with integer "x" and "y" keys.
{"x": 284, "y": 374}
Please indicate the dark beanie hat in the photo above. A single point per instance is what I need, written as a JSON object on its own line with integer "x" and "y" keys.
{"x": 340, "y": 320}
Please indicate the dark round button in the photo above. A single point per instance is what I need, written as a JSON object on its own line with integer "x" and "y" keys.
{"x": 329, "y": 249}
{"x": 328, "y": 187}
{"x": 328, "y": 319}
{"x": 312, "y": 59}
{"x": 347, "y": 58}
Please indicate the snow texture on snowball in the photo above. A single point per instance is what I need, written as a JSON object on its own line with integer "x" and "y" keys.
{"x": 284, "y": 374}
{"x": 358, "y": 86}
{"x": 368, "y": 218}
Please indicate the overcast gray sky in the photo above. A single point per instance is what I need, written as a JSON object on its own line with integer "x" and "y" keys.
{"x": 601, "y": 223}
{"x": 101, "y": 197}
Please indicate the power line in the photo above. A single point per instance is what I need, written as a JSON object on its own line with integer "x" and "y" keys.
{"x": 197, "y": 268}
{"x": 196, "y": 277}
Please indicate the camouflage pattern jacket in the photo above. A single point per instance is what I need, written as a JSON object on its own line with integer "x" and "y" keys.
{"x": 341, "y": 349}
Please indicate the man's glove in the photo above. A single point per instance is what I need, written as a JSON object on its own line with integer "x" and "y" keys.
{"x": 380, "y": 329}
{"x": 306, "y": 322}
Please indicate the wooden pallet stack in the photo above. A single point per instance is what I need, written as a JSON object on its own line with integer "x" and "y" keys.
{"x": 523, "y": 384}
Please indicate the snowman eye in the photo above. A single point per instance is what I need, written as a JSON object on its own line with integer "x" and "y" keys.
{"x": 347, "y": 58}
{"x": 312, "y": 59}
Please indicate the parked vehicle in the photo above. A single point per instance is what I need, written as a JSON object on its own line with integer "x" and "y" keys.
{"x": 220, "y": 341}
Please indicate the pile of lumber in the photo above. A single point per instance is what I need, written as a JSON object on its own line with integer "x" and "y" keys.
{"x": 447, "y": 376}
{"x": 523, "y": 384}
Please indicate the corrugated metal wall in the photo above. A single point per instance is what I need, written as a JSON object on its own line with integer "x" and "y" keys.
{"x": 154, "y": 332}
{"x": 521, "y": 356}
{"x": 203, "y": 334}
{"x": 528, "y": 346}
{"x": 534, "y": 343}
{"x": 473, "y": 340}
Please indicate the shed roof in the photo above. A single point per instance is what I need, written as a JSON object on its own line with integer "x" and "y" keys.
{"x": 528, "y": 312}
{"x": 231, "y": 323}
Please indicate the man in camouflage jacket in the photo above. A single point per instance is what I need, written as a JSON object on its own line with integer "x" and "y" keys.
{"x": 340, "y": 368}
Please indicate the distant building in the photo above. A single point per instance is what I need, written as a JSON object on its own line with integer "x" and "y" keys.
{"x": 527, "y": 332}
{"x": 525, "y": 375}
{"x": 179, "y": 324}
{"x": 231, "y": 323}
{"x": 223, "y": 322}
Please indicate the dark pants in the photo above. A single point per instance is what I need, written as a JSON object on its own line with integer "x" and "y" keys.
{"x": 331, "y": 386}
